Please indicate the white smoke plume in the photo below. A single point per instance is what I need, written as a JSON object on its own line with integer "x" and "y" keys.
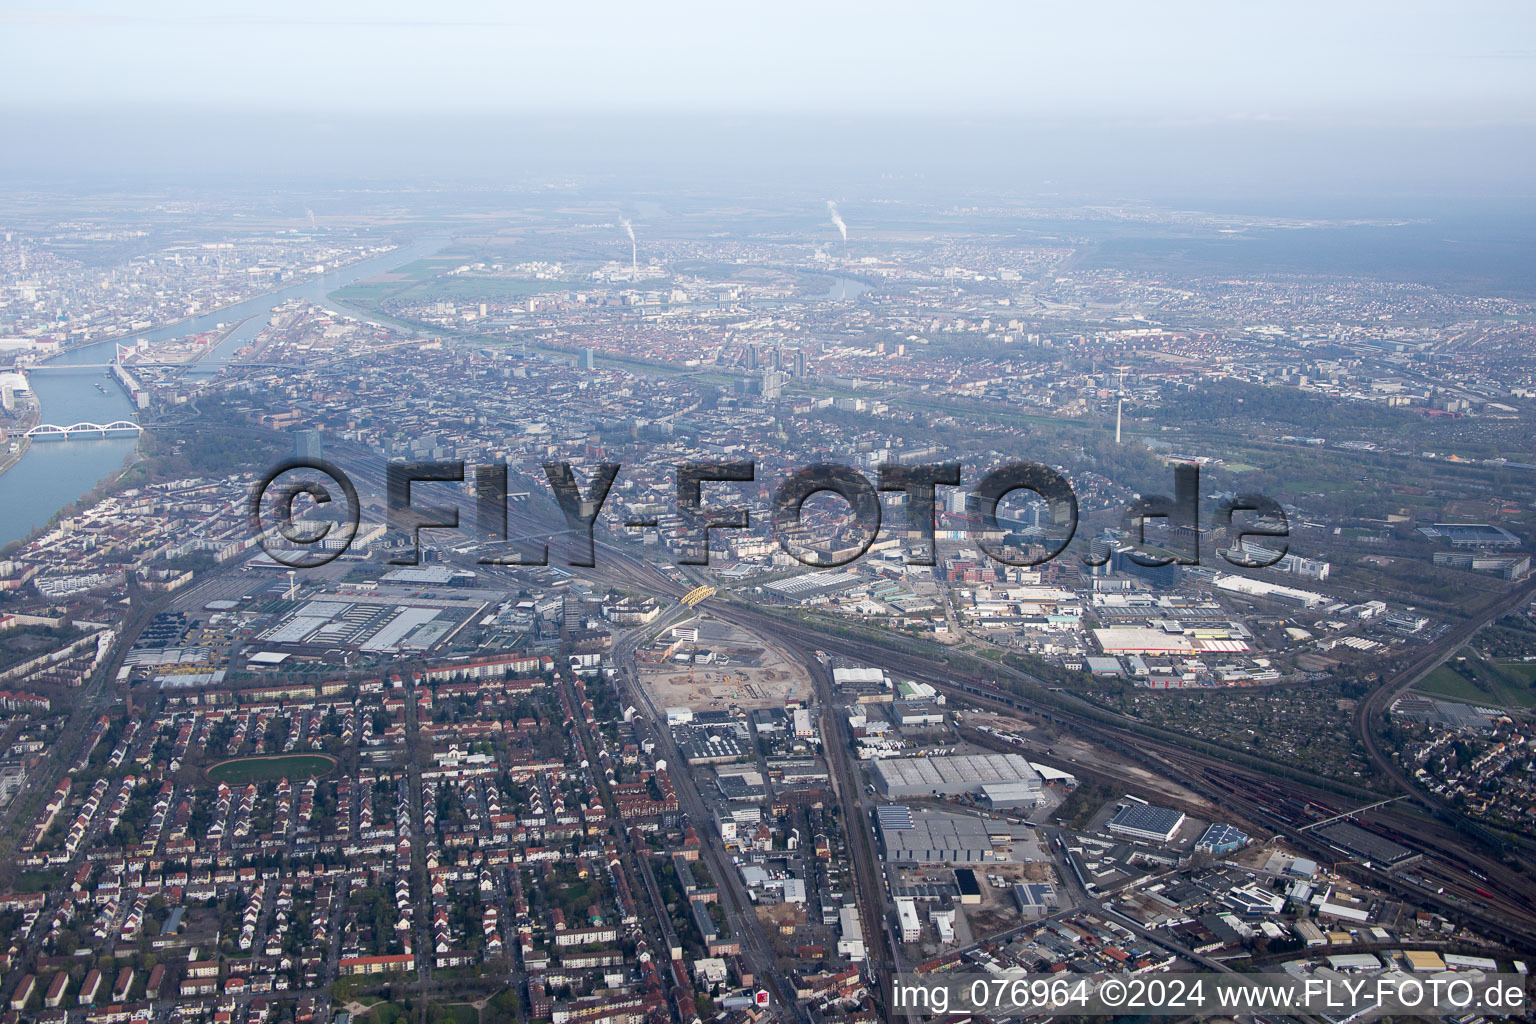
{"x": 837, "y": 219}
{"x": 634, "y": 252}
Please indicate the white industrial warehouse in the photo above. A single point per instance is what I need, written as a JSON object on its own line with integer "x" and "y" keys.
{"x": 1000, "y": 779}
{"x": 932, "y": 838}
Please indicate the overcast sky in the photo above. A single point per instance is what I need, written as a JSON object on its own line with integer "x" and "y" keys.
{"x": 1372, "y": 76}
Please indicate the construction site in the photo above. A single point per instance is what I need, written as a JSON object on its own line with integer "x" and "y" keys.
{"x": 711, "y": 665}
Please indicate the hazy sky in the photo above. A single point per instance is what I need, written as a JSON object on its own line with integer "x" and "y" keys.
{"x": 1168, "y": 60}
{"x": 1140, "y": 98}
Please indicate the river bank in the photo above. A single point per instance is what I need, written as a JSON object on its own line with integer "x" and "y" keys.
{"x": 170, "y": 326}
{"x": 32, "y": 418}
{"x": 46, "y": 478}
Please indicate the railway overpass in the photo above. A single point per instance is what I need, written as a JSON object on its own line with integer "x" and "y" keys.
{"x": 84, "y": 431}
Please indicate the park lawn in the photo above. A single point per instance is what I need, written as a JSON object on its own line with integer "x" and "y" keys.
{"x": 1522, "y": 672}
{"x": 487, "y": 288}
{"x": 241, "y": 770}
{"x": 398, "y": 280}
{"x": 419, "y": 270}
{"x": 418, "y": 282}
{"x": 1508, "y": 686}
{"x": 459, "y": 1013}
{"x": 38, "y": 881}
{"x": 387, "y": 1013}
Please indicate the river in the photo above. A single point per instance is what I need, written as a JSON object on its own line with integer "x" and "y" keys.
{"x": 54, "y": 473}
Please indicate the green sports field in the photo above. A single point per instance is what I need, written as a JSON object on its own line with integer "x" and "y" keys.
{"x": 293, "y": 767}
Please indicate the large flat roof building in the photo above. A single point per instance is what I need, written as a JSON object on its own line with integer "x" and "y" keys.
{"x": 1035, "y": 899}
{"x": 1221, "y": 838}
{"x": 1271, "y": 591}
{"x": 901, "y": 777}
{"x": 1472, "y": 535}
{"x": 932, "y": 838}
{"x": 1003, "y": 795}
{"x": 1142, "y": 640}
{"x": 1143, "y": 821}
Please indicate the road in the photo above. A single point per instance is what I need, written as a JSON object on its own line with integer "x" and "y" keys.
{"x": 1209, "y": 772}
{"x": 1367, "y": 721}
{"x": 738, "y": 906}
{"x": 97, "y": 694}
{"x": 857, "y": 830}
{"x": 1213, "y": 774}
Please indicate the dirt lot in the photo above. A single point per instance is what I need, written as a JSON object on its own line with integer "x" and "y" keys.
{"x": 775, "y": 918}
{"x": 754, "y": 674}
{"x": 999, "y": 910}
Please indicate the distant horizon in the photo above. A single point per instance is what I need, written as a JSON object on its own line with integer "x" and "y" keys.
{"x": 1120, "y": 98}
{"x": 1093, "y": 158}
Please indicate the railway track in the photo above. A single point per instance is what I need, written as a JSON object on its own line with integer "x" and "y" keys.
{"x": 1367, "y": 723}
{"x": 1499, "y": 906}
{"x": 1276, "y": 805}
{"x": 1282, "y": 809}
